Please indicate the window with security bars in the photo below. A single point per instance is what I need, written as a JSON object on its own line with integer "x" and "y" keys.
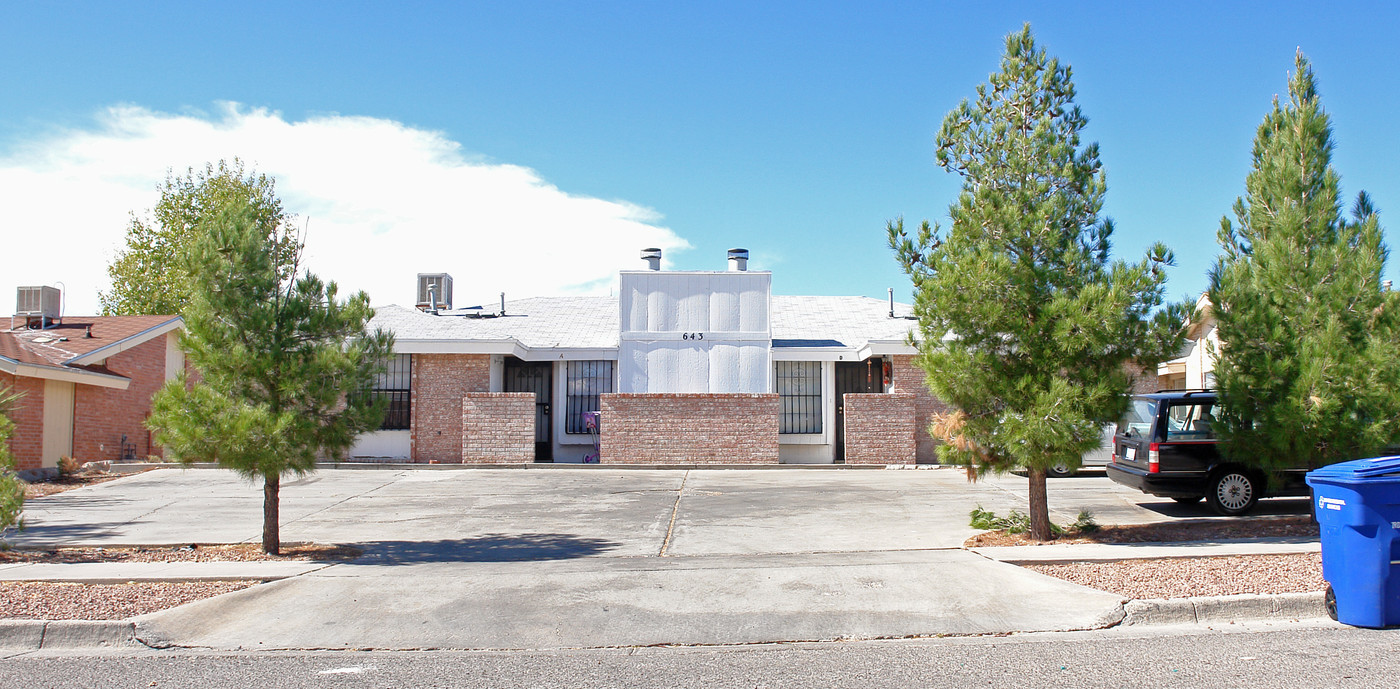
{"x": 395, "y": 384}
{"x": 799, "y": 387}
{"x": 584, "y": 382}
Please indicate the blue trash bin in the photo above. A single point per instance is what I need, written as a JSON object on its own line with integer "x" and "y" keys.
{"x": 1358, "y": 509}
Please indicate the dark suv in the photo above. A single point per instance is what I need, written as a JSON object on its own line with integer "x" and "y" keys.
{"x": 1166, "y": 446}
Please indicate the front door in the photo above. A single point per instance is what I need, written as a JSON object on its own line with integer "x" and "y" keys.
{"x": 854, "y": 376}
{"x": 536, "y": 377}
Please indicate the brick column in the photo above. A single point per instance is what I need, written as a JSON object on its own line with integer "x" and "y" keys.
{"x": 439, "y": 383}
{"x": 907, "y": 377}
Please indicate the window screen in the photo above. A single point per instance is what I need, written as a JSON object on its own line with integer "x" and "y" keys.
{"x": 586, "y": 380}
{"x": 799, "y": 386}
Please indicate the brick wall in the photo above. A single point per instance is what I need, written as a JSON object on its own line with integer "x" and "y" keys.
{"x": 439, "y": 383}
{"x": 102, "y": 415}
{"x": 689, "y": 428}
{"x": 881, "y": 429}
{"x": 907, "y": 377}
{"x": 27, "y": 440}
{"x": 498, "y": 427}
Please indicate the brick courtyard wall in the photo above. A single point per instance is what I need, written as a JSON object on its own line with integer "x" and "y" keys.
{"x": 439, "y": 383}
{"x": 907, "y": 377}
{"x": 102, "y": 415}
{"x": 27, "y": 439}
{"x": 498, "y": 427}
{"x": 689, "y": 428}
{"x": 880, "y": 429}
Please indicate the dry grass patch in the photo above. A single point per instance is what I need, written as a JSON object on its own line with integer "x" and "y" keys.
{"x": 1165, "y": 532}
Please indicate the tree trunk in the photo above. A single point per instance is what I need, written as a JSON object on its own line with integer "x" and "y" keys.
{"x": 1039, "y": 506}
{"x": 272, "y": 535}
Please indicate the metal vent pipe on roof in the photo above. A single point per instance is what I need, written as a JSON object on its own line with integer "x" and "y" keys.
{"x": 653, "y": 258}
{"x": 739, "y": 259}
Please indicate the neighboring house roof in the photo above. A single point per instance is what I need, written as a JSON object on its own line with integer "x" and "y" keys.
{"x": 75, "y": 349}
{"x": 820, "y": 327}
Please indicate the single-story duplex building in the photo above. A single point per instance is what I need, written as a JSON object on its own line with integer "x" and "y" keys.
{"x": 681, "y": 367}
{"x": 86, "y": 381}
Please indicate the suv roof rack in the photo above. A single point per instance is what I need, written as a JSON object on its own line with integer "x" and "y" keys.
{"x": 1188, "y": 391}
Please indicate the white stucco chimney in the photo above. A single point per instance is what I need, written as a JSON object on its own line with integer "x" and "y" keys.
{"x": 739, "y": 259}
{"x": 652, "y": 257}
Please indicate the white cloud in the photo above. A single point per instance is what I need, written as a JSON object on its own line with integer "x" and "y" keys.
{"x": 384, "y": 201}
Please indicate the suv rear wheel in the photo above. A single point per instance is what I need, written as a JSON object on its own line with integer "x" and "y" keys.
{"x": 1232, "y": 491}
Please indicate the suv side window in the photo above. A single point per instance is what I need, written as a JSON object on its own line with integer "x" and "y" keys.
{"x": 1189, "y": 420}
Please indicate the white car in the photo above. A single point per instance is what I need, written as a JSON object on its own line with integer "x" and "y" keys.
{"x": 1093, "y": 459}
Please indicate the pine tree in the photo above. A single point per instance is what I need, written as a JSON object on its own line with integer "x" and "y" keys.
{"x": 279, "y": 354}
{"x": 1309, "y": 362}
{"x": 149, "y": 276}
{"x": 1026, "y": 329}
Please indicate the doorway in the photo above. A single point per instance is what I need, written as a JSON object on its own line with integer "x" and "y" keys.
{"x": 536, "y": 377}
{"x": 859, "y": 377}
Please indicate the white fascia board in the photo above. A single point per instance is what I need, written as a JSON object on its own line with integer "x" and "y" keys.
{"x": 126, "y": 343}
{"x": 68, "y": 375}
{"x": 506, "y": 346}
{"x": 568, "y": 354}
{"x": 815, "y": 354}
{"x": 888, "y": 347}
{"x": 509, "y": 347}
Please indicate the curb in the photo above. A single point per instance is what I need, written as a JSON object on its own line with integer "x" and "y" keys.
{"x": 1224, "y": 609}
{"x": 33, "y": 635}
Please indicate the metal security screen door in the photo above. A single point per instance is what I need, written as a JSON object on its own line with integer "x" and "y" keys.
{"x": 536, "y": 377}
{"x": 857, "y": 376}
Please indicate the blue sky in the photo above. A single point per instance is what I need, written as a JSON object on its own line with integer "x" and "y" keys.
{"x": 793, "y": 129}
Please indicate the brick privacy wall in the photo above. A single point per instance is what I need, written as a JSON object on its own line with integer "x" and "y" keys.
{"x": 689, "y": 428}
{"x": 1145, "y": 380}
{"x": 880, "y": 428}
{"x": 907, "y": 377}
{"x": 498, "y": 427}
{"x": 102, "y": 415}
{"x": 439, "y": 383}
{"x": 27, "y": 440}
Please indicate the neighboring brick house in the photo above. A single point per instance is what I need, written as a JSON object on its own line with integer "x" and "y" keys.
{"x": 684, "y": 367}
{"x": 87, "y": 383}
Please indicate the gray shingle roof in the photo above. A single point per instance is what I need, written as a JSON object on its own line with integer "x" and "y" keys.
{"x": 592, "y": 323}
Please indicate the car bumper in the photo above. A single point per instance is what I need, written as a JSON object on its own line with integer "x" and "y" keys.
{"x": 1161, "y": 485}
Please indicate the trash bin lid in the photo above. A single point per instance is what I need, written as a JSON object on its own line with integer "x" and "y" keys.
{"x": 1359, "y": 469}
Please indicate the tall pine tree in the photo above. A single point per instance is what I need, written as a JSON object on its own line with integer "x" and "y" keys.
{"x": 1027, "y": 329}
{"x": 1309, "y": 362}
{"x": 281, "y": 358}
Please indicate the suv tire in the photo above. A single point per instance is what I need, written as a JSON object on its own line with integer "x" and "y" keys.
{"x": 1059, "y": 471}
{"x": 1232, "y": 491}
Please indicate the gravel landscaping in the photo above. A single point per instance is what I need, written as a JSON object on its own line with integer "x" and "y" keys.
{"x": 34, "y": 600}
{"x": 236, "y": 552}
{"x": 1183, "y": 577}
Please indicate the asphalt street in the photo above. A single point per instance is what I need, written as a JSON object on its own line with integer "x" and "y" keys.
{"x": 584, "y": 558}
{"x": 1273, "y": 655}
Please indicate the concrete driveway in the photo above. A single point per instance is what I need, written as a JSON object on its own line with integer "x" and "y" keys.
{"x": 585, "y": 557}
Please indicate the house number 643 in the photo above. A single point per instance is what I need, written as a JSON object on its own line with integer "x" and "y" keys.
{"x": 692, "y": 336}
